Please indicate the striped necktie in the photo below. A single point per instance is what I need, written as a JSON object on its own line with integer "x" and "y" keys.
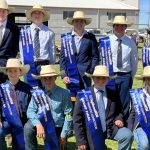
{"x": 36, "y": 43}
{"x": 15, "y": 98}
{"x": 119, "y": 54}
{"x": 101, "y": 107}
{"x": 1, "y": 34}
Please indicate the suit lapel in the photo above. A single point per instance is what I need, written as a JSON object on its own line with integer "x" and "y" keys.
{"x": 82, "y": 43}
{"x": 108, "y": 104}
{"x": 74, "y": 47}
{"x": 7, "y": 31}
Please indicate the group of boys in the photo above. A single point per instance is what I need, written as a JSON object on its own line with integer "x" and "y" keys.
{"x": 100, "y": 111}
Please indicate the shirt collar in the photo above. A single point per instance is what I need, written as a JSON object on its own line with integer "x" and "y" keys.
{"x": 52, "y": 90}
{"x": 96, "y": 89}
{"x": 33, "y": 26}
{"x": 116, "y": 38}
{"x": 74, "y": 33}
{"x": 4, "y": 23}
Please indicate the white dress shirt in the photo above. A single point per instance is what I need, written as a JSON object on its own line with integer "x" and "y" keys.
{"x": 47, "y": 43}
{"x": 4, "y": 26}
{"x": 129, "y": 54}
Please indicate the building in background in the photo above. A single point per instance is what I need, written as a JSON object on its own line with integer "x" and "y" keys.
{"x": 99, "y": 10}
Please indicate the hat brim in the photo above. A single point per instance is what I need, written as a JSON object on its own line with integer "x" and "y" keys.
{"x": 90, "y": 76}
{"x": 29, "y": 13}
{"x": 87, "y": 20}
{"x": 24, "y": 69}
{"x": 141, "y": 77}
{"x": 110, "y": 23}
{"x": 45, "y": 75}
{"x": 9, "y": 9}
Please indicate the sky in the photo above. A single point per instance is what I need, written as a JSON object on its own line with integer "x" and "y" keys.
{"x": 144, "y": 16}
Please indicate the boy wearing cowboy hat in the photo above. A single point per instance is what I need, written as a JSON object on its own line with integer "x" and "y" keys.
{"x": 61, "y": 109}
{"x": 9, "y": 37}
{"x": 141, "y": 130}
{"x": 42, "y": 39}
{"x": 124, "y": 58}
{"x": 19, "y": 97}
{"x": 110, "y": 112}
{"x": 85, "y": 50}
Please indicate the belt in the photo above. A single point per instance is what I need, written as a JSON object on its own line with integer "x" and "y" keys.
{"x": 41, "y": 62}
{"x": 121, "y": 73}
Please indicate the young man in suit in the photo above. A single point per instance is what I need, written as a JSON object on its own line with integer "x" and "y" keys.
{"x": 84, "y": 51}
{"x": 110, "y": 112}
{"x": 9, "y": 37}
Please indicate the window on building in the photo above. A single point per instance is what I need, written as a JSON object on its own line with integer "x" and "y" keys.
{"x": 67, "y": 14}
{"x": 112, "y": 15}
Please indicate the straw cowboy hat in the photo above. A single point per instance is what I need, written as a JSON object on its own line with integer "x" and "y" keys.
{"x": 146, "y": 73}
{"x": 79, "y": 15}
{"x": 119, "y": 20}
{"x": 15, "y": 63}
{"x": 37, "y": 8}
{"x": 100, "y": 71}
{"x": 46, "y": 71}
{"x": 4, "y": 5}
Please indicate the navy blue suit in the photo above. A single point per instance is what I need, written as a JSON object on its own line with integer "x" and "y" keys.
{"x": 9, "y": 46}
{"x": 113, "y": 112}
{"x": 86, "y": 59}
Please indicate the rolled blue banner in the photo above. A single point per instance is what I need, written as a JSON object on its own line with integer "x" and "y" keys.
{"x": 106, "y": 59}
{"x": 92, "y": 118}
{"x": 28, "y": 53}
{"x": 146, "y": 56}
{"x": 142, "y": 108}
{"x": 45, "y": 117}
{"x": 74, "y": 86}
{"x": 11, "y": 114}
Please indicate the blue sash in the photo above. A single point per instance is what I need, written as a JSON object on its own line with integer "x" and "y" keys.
{"x": 146, "y": 56}
{"x": 28, "y": 53}
{"x": 45, "y": 117}
{"x": 106, "y": 59}
{"x": 92, "y": 118}
{"x": 11, "y": 114}
{"x": 74, "y": 86}
{"x": 142, "y": 108}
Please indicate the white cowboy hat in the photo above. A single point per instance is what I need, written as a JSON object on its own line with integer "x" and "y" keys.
{"x": 119, "y": 20}
{"x": 37, "y": 8}
{"x": 4, "y": 5}
{"x": 100, "y": 71}
{"x": 146, "y": 73}
{"x": 46, "y": 71}
{"x": 79, "y": 15}
{"x": 15, "y": 63}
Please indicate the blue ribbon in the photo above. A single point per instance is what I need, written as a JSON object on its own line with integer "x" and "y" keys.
{"x": 142, "y": 109}
{"x": 11, "y": 113}
{"x": 28, "y": 53}
{"x": 106, "y": 58}
{"x": 74, "y": 86}
{"x": 92, "y": 118}
{"x": 45, "y": 117}
{"x": 146, "y": 56}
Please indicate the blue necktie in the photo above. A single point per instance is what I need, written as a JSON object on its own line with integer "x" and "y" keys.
{"x": 36, "y": 43}
{"x": 119, "y": 54}
{"x": 101, "y": 107}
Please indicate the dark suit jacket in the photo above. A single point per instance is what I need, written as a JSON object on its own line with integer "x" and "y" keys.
{"x": 10, "y": 43}
{"x": 86, "y": 59}
{"x": 133, "y": 122}
{"x": 113, "y": 112}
